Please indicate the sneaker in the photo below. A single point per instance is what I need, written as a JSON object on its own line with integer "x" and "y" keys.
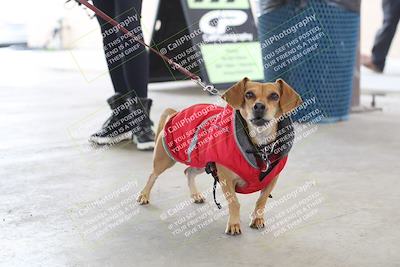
{"x": 143, "y": 135}
{"x": 118, "y": 127}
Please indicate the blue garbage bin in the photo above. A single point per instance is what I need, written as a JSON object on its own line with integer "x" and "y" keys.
{"x": 325, "y": 74}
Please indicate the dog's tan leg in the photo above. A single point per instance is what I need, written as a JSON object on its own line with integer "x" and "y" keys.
{"x": 161, "y": 160}
{"x": 257, "y": 221}
{"x": 191, "y": 174}
{"x": 227, "y": 184}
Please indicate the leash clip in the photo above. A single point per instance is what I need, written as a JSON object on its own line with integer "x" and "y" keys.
{"x": 267, "y": 164}
{"x": 264, "y": 155}
{"x": 206, "y": 87}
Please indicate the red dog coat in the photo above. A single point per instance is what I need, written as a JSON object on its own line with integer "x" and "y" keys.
{"x": 208, "y": 133}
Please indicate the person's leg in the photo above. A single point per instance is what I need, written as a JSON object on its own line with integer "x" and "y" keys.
{"x": 136, "y": 69}
{"x": 128, "y": 67}
{"x": 121, "y": 124}
{"x": 384, "y": 37}
{"x": 136, "y": 61}
{"x": 110, "y": 45}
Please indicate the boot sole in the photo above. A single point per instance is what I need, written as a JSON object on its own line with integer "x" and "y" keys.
{"x": 146, "y": 146}
{"x": 110, "y": 140}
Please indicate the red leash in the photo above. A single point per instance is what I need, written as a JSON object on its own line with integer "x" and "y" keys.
{"x": 192, "y": 76}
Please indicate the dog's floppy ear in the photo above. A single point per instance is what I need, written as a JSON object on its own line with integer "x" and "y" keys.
{"x": 234, "y": 96}
{"x": 290, "y": 99}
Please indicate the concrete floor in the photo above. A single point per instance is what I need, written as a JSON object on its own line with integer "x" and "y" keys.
{"x": 50, "y": 179}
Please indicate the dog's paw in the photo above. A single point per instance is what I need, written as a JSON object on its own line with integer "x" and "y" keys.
{"x": 257, "y": 223}
{"x": 143, "y": 199}
{"x": 198, "y": 198}
{"x": 233, "y": 229}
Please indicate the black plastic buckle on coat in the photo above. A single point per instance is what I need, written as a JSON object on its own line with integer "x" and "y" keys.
{"x": 211, "y": 168}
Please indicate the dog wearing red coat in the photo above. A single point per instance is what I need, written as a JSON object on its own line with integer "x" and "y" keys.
{"x": 255, "y": 118}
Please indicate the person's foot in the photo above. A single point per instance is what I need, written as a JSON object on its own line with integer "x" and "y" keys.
{"x": 143, "y": 135}
{"x": 120, "y": 124}
{"x": 367, "y": 62}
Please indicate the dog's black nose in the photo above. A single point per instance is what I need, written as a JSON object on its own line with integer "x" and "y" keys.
{"x": 259, "y": 107}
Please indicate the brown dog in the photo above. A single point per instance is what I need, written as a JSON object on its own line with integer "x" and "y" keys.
{"x": 260, "y": 104}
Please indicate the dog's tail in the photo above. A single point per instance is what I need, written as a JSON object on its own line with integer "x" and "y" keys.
{"x": 163, "y": 120}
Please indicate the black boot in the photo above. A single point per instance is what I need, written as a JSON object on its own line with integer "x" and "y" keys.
{"x": 143, "y": 135}
{"x": 120, "y": 124}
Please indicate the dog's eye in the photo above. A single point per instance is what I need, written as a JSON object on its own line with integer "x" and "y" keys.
{"x": 273, "y": 96}
{"x": 249, "y": 94}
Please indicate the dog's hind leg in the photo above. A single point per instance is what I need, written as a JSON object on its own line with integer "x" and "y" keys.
{"x": 161, "y": 160}
{"x": 191, "y": 174}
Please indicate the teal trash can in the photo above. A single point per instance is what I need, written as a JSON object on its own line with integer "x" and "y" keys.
{"x": 324, "y": 74}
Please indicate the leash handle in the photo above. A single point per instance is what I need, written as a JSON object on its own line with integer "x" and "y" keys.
{"x": 111, "y": 21}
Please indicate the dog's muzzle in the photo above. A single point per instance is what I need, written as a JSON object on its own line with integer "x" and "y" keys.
{"x": 258, "y": 114}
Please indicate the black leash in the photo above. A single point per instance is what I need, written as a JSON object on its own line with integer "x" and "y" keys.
{"x": 211, "y": 168}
